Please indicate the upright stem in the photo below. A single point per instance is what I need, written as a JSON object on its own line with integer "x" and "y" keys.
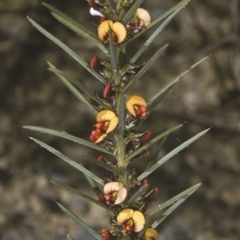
{"x": 120, "y": 138}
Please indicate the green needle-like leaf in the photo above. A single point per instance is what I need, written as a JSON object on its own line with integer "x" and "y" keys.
{"x": 85, "y": 196}
{"x": 183, "y": 195}
{"x": 170, "y": 155}
{"x": 153, "y": 157}
{"x": 76, "y": 27}
{"x": 176, "y": 8}
{"x": 75, "y": 82}
{"x": 68, "y": 137}
{"x": 155, "y": 34}
{"x": 69, "y": 161}
{"x": 149, "y": 63}
{"x": 93, "y": 185}
{"x": 67, "y": 50}
{"x": 131, "y": 11}
{"x": 108, "y": 167}
{"x": 69, "y": 237}
{"x": 152, "y": 141}
{"x": 137, "y": 194}
{"x": 157, "y": 97}
{"x": 80, "y": 222}
{"x": 176, "y": 201}
{"x": 76, "y": 93}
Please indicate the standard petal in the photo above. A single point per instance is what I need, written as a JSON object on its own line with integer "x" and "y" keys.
{"x": 124, "y": 215}
{"x": 119, "y": 31}
{"x": 103, "y": 29}
{"x": 112, "y": 186}
{"x": 130, "y": 108}
{"x": 122, "y": 194}
{"x": 105, "y": 115}
{"x": 112, "y": 125}
{"x": 136, "y": 100}
{"x": 142, "y": 14}
{"x": 139, "y": 221}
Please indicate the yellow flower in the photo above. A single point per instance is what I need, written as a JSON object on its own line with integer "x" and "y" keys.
{"x": 137, "y": 106}
{"x": 142, "y": 18}
{"x": 131, "y": 220}
{"x": 118, "y": 30}
{"x": 151, "y": 234}
{"x": 108, "y": 120}
{"x": 115, "y": 193}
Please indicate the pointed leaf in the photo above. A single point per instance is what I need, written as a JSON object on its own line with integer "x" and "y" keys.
{"x": 156, "y": 98}
{"x": 178, "y": 202}
{"x": 83, "y": 195}
{"x": 80, "y": 222}
{"x": 183, "y": 195}
{"x": 180, "y": 5}
{"x": 148, "y": 144}
{"x": 75, "y": 82}
{"x": 75, "y": 26}
{"x": 131, "y": 11}
{"x": 108, "y": 167}
{"x": 69, "y": 237}
{"x": 67, "y": 50}
{"x": 155, "y": 34}
{"x": 137, "y": 194}
{"x": 76, "y": 93}
{"x": 149, "y": 63}
{"x": 93, "y": 185}
{"x": 68, "y": 137}
{"x": 69, "y": 161}
{"x": 170, "y": 155}
{"x": 153, "y": 157}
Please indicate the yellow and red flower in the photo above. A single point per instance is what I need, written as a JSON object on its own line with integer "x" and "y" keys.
{"x": 114, "y": 193}
{"x": 137, "y": 106}
{"x": 107, "y": 121}
{"x": 131, "y": 221}
{"x": 117, "y": 28}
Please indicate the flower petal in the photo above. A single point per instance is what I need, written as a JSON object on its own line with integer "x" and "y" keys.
{"x": 136, "y": 100}
{"x": 112, "y": 125}
{"x": 112, "y": 186}
{"x": 101, "y": 138}
{"x": 122, "y": 194}
{"x": 94, "y": 12}
{"x": 124, "y": 215}
{"x": 119, "y": 31}
{"x": 151, "y": 234}
{"x": 105, "y": 115}
{"x": 142, "y": 14}
{"x": 103, "y": 29}
{"x": 139, "y": 221}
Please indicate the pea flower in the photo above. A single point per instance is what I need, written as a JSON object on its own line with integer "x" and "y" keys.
{"x": 114, "y": 193}
{"x": 131, "y": 220}
{"x": 107, "y": 121}
{"x": 142, "y": 18}
{"x": 151, "y": 234}
{"x": 118, "y": 30}
{"x": 137, "y": 106}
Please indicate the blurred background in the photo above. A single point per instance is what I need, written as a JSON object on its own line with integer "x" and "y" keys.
{"x": 208, "y": 96}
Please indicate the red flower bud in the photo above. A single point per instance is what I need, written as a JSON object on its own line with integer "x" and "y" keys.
{"x": 95, "y": 135}
{"x": 96, "y": 64}
{"x": 146, "y": 136}
{"x": 107, "y": 91}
